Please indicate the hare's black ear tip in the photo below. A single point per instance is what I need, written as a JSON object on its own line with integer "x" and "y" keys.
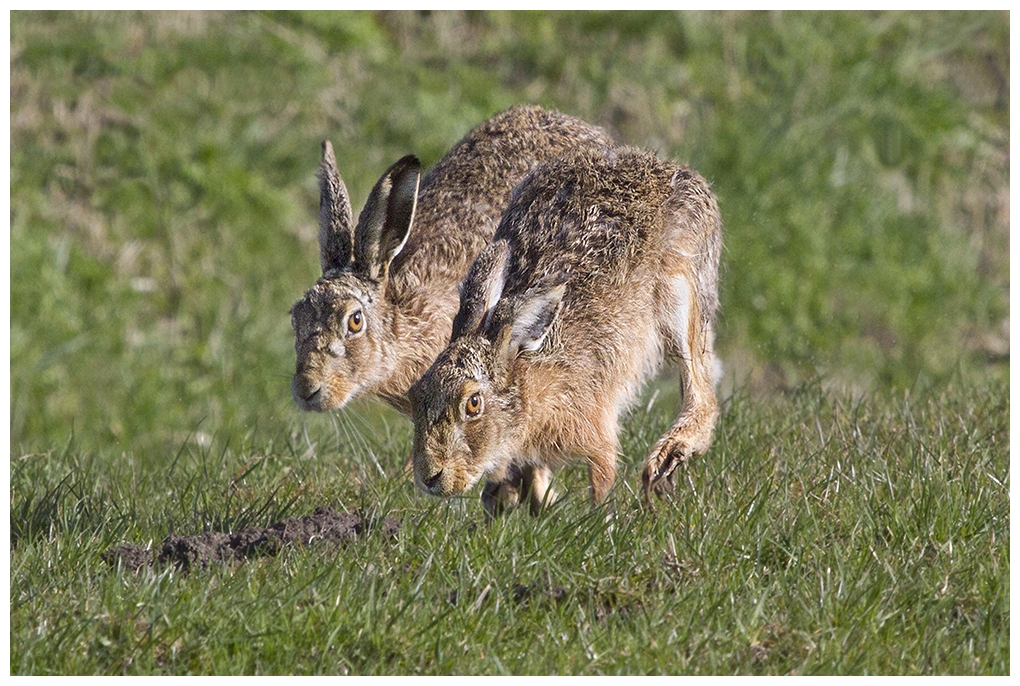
{"x": 409, "y": 162}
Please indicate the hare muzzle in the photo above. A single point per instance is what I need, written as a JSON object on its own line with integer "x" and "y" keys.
{"x": 443, "y": 481}
{"x": 308, "y": 394}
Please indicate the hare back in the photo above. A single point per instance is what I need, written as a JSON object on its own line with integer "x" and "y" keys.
{"x": 601, "y": 217}
{"x": 461, "y": 199}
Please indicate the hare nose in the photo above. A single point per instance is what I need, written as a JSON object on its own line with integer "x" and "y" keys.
{"x": 430, "y": 483}
{"x": 307, "y": 393}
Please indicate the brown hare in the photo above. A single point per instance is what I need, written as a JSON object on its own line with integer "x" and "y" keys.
{"x": 603, "y": 264}
{"x": 382, "y": 309}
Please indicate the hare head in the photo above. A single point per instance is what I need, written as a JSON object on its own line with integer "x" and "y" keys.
{"x": 340, "y": 323}
{"x": 467, "y": 406}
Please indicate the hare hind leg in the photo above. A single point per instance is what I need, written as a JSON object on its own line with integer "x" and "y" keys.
{"x": 690, "y": 340}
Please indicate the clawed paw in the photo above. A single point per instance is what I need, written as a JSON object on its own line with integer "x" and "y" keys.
{"x": 661, "y": 469}
{"x": 499, "y": 497}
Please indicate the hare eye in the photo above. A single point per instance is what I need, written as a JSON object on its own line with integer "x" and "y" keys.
{"x": 473, "y": 405}
{"x": 355, "y": 322}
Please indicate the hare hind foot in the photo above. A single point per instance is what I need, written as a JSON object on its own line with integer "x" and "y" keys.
{"x": 661, "y": 466}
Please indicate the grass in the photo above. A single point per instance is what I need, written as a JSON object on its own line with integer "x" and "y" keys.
{"x": 852, "y": 516}
{"x": 824, "y": 533}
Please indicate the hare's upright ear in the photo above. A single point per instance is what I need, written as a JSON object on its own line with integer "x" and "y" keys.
{"x": 335, "y": 224}
{"x": 481, "y": 289}
{"x": 528, "y": 319}
{"x": 386, "y": 220}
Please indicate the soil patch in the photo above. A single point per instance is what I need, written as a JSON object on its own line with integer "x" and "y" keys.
{"x": 324, "y": 526}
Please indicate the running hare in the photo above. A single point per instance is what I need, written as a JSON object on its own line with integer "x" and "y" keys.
{"x": 383, "y": 307}
{"x": 603, "y": 264}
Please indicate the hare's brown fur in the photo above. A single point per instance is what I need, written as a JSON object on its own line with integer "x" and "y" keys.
{"x": 401, "y": 280}
{"x": 603, "y": 264}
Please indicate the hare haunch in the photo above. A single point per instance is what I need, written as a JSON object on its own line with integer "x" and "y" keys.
{"x": 383, "y": 307}
{"x": 603, "y": 264}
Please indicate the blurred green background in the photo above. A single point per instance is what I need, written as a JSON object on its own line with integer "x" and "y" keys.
{"x": 164, "y": 203}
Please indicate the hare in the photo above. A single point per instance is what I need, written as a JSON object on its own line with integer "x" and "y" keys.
{"x": 382, "y": 309}
{"x": 603, "y": 264}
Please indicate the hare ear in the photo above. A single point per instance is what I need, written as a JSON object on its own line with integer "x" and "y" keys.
{"x": 386, "y": 220}
{"x": 481, "y": 289}
{"x": 335, "y": 234}
{"x": 531, "y": 320}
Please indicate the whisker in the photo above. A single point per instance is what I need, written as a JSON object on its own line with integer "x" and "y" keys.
{"x": 354, "y": 415}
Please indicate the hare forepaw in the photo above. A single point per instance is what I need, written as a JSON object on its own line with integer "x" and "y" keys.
{"x": 499, "y": 497}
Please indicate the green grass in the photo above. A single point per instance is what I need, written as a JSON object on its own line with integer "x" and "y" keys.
{"x": 851, "y": 517}
{"x": 824, "y": 533}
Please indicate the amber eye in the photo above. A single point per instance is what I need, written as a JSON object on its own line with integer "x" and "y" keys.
{"x": 355, "y": 322}
{"x": 473, "y": 405}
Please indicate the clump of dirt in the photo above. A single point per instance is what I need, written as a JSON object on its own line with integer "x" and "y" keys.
{"x": 324, "y": 526}
{"x": 131, "y": 557}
